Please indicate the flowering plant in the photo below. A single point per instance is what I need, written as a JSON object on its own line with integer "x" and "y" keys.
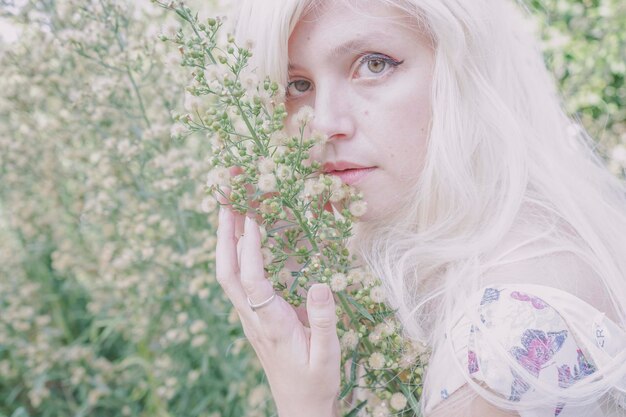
{"x": 306, "y": 216}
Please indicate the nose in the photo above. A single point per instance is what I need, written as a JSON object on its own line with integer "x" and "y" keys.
{"x": 333, "y": 112}
{"x": 333, "y": 117}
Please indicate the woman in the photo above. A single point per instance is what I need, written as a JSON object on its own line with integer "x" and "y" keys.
{"x": 498, "y": 234}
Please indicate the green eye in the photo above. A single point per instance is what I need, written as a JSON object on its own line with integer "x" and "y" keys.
{"x": 376, "y": 65}
{"x": 297, "y": 87}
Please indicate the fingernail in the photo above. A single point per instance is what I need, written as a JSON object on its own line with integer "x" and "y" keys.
{"x": 320, "y": 293}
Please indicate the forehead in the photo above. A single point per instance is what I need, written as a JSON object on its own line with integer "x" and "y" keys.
{"x": 334, "y": 27}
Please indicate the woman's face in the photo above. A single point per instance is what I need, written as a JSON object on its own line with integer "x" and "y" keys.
{"x": 367, "y": 75}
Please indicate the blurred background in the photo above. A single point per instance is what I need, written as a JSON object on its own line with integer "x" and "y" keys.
{"x": 108, "y": 302}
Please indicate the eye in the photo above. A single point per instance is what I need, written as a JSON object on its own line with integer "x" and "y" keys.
{"x": 377, "y": 64}
{"x": 297, "y": 87}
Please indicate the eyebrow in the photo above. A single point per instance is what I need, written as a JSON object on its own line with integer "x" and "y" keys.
{"x": 352, "y": 45}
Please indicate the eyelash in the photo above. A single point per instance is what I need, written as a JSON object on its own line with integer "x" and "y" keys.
{"x": 363, "y": 61}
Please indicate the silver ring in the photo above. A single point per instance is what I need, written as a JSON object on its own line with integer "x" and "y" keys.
{"x": 255, "y": 307}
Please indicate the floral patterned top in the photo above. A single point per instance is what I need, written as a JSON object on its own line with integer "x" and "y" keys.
{"x": 554, "y": 341}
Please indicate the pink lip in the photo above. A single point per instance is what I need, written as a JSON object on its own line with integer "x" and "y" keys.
{"x": 352, "y": 176}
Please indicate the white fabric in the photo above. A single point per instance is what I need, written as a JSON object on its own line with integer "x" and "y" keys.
{"x": 552, "y": 337}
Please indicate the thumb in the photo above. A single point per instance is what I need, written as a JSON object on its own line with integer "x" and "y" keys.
{"x": 323, "y": 322}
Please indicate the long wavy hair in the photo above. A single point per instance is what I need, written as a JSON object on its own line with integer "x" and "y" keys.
{"x": 512, "y": 190}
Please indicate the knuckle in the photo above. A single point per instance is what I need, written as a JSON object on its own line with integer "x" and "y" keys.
{"x": 248, "y": 286}
{"x": 325, "y": 323}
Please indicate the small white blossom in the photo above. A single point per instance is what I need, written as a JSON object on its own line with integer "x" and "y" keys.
{"x": 355, "y": 275}
{"x": 218, "y": 176}
{"x": 313, "y": 187}
{"x": 177, "y": 130}
{"x": 376, "y": 360}
{"x": 381, "y": 411}
{"x": 208, "y": 204}
{"x": 278, "y": 138}
{"x": 197, "y": 326}
{"x": 358, "y": 208}
{"x": 192, "y": 103}
{"x": 266, "y": 166}
{"x": 375, "y": 337}
{"x": 267, "y": 183}
{"x": 349, "y": 340}
{"x": 338, "y": 282}
{"x": 319, "y": 138}
{"x": 250, "y": 80}
{"x": 284, "y": 276}
{"x": 282, "y": 172}
{"x": 377, "y": 294}
{"x": 398, "y": 401}
{"x": 304, "y": 115}
{"x": 198, "y": 341}
{"x": 337, "y": 195}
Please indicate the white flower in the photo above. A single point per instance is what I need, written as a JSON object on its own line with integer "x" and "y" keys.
{"x": 303, "y": 116}
{"x": 376, "y": 360}
{"x": 267, "y": 183}
{"x": 266, "y": 165}
{"x": 248, "y": 44}
{"x": 250, "y": 81}
{"x": 337, "y": 195}
{"x": 398, "y": 401}
{"x": 208, "y": 204}
{"x": 319, "y": 138}
{"x": 368, "y": 279}
{"x": 377, "y": 294}
{"x": 338, "y": 282}
{"x": 192, "y": 103}
{"x": 218, "y": 176}
{"x": 375, "y": 337}
{"x": 313, "y": 187}
{"x": 278, "y": 138}
{"x": 349, "y": 340}
{"x": 198, "y": 341}
{"x": 358, "y": 208}
{"x": 197, "y": 326}
{"x": 381, "y": 411}
{"x": 385, "y": 329}
{"x": 177, "y": 130}
{"x": 282, "y": 172}
{"x": 284, "y": 276}
{"x": 336, "y": 182}
{"x": 193, "y": 376}
{"x": 355, "y": 275}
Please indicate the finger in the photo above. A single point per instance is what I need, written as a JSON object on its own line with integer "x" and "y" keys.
{"x": 227, "y": 267}
{"x": 223, "y": 195}
{"x": 256, "y": 286}
{"x": 325, "y": 350}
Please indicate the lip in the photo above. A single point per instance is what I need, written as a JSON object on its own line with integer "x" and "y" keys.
{"x": 352, "y": 176}
{"x": 341, "y": 166}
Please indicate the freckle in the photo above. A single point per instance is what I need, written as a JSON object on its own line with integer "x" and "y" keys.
{"x": 367, "y": 112}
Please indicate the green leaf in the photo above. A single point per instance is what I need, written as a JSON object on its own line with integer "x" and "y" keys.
{"x": 356, "y": 409}
{"x": 350, "y": 386}
{"x": 362, "y": 310}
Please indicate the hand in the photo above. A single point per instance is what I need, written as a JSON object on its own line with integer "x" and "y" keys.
{"x": 301, "y": 363}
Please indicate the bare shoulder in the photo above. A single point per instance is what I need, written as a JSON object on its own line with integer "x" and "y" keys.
{"x": 466, "y": 403}
{"x": 558, "y": 264}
